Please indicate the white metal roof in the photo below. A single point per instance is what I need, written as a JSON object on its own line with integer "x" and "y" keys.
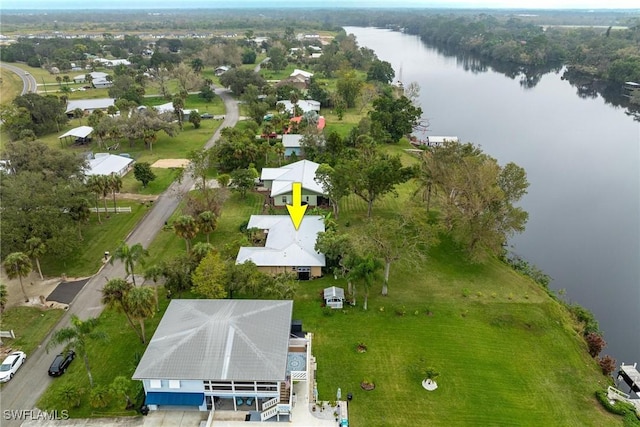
{"x": 303, "y": 171}
{"x": 107, "y": 164}
{"x": 79, "y": 132}
{"x": 301, "y": 72}
{"x": 226, "y": 340}
{"x": 305, "y": 105}
{"x": 333, "y": 292}
{"x": 285, "y": 246}
{"x": 291, "y": 140}
{"x": 90, "y": 104}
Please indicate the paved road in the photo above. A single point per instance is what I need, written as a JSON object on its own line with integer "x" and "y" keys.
{"x": 32, "y": 380}
{"x": 28, "y": 81}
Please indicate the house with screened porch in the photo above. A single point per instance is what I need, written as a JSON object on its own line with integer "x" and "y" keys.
{"x": 226, "y": 356}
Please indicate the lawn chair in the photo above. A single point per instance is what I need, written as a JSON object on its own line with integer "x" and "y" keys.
{"x": 239, "y": 401}
{"x": 249, "y": 401}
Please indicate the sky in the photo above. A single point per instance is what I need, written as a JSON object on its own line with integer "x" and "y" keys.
{"x": 184, "y": 4}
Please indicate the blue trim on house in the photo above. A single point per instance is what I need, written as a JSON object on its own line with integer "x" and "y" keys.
{"x": 178, "y": 399}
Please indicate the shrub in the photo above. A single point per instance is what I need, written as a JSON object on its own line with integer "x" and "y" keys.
{"x": 99, "y": 397}
{"x": 401, "y": 311}
{"x": 619, "y": 408}
{"x": 71, "y": 395}
{"x": 596, "y": 343}
{"x": 607, "y": 364}
{"x": 465, "y": 292}
{"x": 585, "y": 317}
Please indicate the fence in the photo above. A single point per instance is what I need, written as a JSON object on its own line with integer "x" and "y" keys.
{"x": 119, "y": 209}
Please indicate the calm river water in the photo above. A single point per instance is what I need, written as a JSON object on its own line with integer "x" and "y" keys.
{"x": 582, "y": 158}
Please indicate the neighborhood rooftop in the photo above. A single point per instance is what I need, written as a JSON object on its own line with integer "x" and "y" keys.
{"x": 79, "y": 132}
{"x": 285, "y": 246}
{"x": 90, "y": 104}
{"x": 219, "y": 339}
{"x": 303, "y": 171}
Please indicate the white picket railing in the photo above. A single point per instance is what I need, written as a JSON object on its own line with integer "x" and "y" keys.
{"x": 269, "y": 403}
{"x": 298, "y": 375}
{"x": 268, "y": 413}
{"x": 118, "y": 209}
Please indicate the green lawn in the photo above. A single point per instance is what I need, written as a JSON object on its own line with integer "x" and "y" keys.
{"x": 493, "y": 335}
{"x": 164, "y": 178}
{"x": 116, "y": 356}
{"x": 10, "y": 85}
{"x": 506, "y": 352}
{"x": 30, "y": 325}
{"x": 98, "y": 238}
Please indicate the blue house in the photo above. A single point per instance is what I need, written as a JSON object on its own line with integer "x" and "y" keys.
{"x": 291, "y": 144}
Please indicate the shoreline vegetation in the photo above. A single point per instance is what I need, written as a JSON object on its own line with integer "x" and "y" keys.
{"x": 475, "y": 322}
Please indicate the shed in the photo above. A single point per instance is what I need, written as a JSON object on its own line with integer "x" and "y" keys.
{"x": 334, "y": 297}
{"x": 81, "y": 134}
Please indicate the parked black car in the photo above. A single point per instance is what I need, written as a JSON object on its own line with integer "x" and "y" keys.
{"x": 61, "y": 363}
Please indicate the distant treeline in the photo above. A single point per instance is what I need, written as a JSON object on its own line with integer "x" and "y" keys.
{"x": 526, "y": 38}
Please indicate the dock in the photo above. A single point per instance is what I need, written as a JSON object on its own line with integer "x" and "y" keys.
{"x": 630, "y": 375}
{"x": 434, "y": 141}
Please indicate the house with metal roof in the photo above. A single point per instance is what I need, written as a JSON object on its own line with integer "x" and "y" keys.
{"x": 291, "y": 143}
{"x": 279, "y": 182}
{"x": 286, "y": 249}
{"x": 89, "y": 105}
{"x": 107, "y": 164}
{"x": 305, "y": 105}
{"x": 214, "y": 355}
{"x": 95, "y": 75}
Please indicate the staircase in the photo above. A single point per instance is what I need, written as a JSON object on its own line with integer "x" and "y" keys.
{"x": 284, "y": 394}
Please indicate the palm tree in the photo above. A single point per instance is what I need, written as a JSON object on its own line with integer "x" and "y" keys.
{"x": 114, "y": 294}
{"x": 76, "y": 337}
{"x": 94, "y": 184}
{"x": 4, "y": 296}
{"x": 129, "y": 255}
{"x": 104, "y": 186}
{"x": 201, "y": 250}
{"x": 141, "y": 305}
{"x": 154, "y": 273}
{"x": 115, "y": 185}
{"x": 35, "y": 249}
{"x": 178, "y": 106}
{"x": 66, "y": 79}
{"x": 207, "y": 223}
{"x": 279, "y": 150}
{"x": 18, "y": 264}
{"x": 59, "y": 80}
{"x": 187, "y": 228}
{"x": 366, "y": 269}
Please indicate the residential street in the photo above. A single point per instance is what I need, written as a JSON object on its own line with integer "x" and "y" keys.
{"x": 23, "y": 391}
{"x": 28, "y": 81}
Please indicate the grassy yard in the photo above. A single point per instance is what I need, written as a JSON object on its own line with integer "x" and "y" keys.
{"x": 120, "y": 350}
{"x": 506, "y": 352}
{"x": 98, "y": 238}
{"x": 30, "y": 325}
{"x": 10, "y": 86}
{"x": 164, "y": 178}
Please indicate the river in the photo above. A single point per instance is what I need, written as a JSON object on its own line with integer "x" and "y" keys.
{"x": 582, "y": 158}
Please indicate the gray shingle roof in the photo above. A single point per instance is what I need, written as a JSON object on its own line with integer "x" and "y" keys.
{"x": 219, "y": 340}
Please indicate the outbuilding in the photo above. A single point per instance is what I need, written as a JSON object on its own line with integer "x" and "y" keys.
{"x": 334, "y": 297}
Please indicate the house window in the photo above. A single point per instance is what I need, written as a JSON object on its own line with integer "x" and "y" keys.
{"x": 307, "y": 197}
{"x": 174, "y": 383}
{"x": 155, "y": 384}
{"x": 284, "y": 199}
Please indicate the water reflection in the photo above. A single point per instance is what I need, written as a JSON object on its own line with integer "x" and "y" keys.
{"x": 612, "y": 93}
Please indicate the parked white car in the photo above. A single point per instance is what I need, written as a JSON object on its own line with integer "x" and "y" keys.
{"x": 11, "y": 365}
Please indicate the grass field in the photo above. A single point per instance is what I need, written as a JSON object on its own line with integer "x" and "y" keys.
{"x": 10, "y": 86}
{"x": 120, "y": 350}
{"x": 506, "y": 352}
{"x": 30, "y": 324}
{"x": 98, "y": 238}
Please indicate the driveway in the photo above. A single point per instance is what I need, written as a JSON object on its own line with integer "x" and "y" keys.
{"x": 23, "y": 391}
{"x": 66, "y": 292}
